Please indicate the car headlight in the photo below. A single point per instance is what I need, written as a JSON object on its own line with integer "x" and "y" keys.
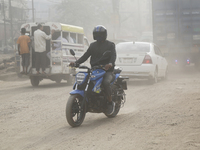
{"x": 80, "y": 77}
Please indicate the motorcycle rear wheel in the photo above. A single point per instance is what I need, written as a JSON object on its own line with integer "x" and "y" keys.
{"x": 75, "y": 114}
{"x": 117, "y": 101}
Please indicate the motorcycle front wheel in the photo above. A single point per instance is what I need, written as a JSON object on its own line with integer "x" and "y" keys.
{"x": 75, "y": 114}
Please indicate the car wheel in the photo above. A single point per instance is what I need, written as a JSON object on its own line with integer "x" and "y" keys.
{"x": 34, "y": 81}
{"x": 154, "y": 79}
{"x": 166, "y": 74}
{"x": 58, "y": 80}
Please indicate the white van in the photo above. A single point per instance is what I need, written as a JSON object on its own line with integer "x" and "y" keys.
{"x": 58, "y": 55}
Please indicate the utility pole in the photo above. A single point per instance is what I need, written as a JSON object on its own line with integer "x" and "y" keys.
{"x": 33, "y": 11}
{"x": 11, "y": 22}
{"x": 116, "y": 17}
{"x": 4, "y": 17}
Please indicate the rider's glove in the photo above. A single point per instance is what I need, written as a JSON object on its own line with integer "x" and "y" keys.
{"x": 74, "y": 64}
{"x": 71, "y": 64}
{"x": 108, "y": 66}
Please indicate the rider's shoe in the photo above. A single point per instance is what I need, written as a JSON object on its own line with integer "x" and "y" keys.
{"x": 110, "y": 108}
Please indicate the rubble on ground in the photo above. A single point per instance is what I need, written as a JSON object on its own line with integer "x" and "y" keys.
{"x": 7, "y": 63}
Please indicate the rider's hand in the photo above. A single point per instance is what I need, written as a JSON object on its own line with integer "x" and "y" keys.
{"x": 71, "y": 64}
{"x": 108, "y": 66}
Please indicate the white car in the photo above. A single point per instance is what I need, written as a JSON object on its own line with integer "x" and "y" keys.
{"x": 141, "y": 60}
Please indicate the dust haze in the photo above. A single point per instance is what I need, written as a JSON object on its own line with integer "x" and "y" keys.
{"x": 164, "y": 115}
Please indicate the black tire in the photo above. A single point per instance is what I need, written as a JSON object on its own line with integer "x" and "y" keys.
{"x": 117, "y": 101}
{"x": 58, "y": 80}
{"x": 74, "y": 113}
{"x": 34, "y": 81}
{"x": 166, "y": 75}
{"x": 154, "y": 79}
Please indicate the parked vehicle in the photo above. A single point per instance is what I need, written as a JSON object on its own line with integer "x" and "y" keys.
{"x": 176, "y": 30}
{"x": 141, "y": 60}
{"x": 57, "y": 62}
{"x": 89, "y": 96}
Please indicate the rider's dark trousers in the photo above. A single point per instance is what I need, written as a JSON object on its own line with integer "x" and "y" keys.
{"x": 40, "y": 60}
{"x": 106, "y": 82}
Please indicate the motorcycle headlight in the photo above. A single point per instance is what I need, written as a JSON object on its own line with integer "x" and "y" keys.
{"x": 80, "y": 77}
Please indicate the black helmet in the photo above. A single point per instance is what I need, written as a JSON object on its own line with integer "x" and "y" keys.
{"x": 100, "y": 33}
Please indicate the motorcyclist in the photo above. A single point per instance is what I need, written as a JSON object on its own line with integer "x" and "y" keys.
{"x": 96, "y": 50}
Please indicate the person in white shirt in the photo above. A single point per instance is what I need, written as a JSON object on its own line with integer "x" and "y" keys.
{"x": 40, "y": 38}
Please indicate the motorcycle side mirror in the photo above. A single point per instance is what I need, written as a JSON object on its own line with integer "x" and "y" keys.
{"x": 72, "y": 52}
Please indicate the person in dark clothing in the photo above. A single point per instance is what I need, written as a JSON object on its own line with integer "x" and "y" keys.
{"x": 95, "y": 51}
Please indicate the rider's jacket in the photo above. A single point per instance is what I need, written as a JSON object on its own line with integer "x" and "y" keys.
{"x": 96, "y": 50}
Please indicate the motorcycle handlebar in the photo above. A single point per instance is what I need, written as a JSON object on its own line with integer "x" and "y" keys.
{"x": 76, "y": 65}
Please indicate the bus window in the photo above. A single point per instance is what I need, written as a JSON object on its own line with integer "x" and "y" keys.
{"x": 56, "y": 35}
{"x": 33, "y": 29}
{"x": 73, "y": 36}
{"x": 56, "y": 44}
{"x": 67, "y": 37}
{"x": 47, "y": 30}
{"x": 80, "y": 38}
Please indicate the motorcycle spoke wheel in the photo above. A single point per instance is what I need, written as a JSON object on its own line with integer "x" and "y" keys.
{"x": 75, "y": 114}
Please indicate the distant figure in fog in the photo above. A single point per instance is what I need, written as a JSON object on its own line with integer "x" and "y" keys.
{"x": 23, "y": 48}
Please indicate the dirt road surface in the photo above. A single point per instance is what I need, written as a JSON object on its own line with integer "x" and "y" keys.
{"x": 163, "y": 116}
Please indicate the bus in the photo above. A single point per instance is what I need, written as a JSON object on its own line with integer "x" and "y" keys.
{"x": 58, "y": 56}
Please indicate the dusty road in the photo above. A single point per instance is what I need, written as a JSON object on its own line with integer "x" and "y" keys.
{"x": 164, "y": 116}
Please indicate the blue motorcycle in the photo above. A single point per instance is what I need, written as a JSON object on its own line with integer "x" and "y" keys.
{"x": 88, "y": 94}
